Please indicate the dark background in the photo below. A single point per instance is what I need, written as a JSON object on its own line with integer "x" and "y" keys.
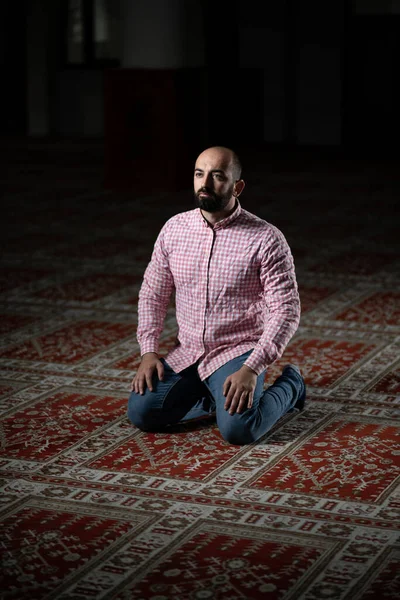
{"x": 297, "y": 79}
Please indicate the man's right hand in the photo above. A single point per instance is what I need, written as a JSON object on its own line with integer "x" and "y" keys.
{"x": 150, "y": 363}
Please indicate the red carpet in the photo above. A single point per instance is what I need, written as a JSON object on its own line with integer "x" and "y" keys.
{"x": 93, "y": 508}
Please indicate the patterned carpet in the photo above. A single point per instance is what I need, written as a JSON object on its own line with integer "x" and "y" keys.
{"x": 93, "y": 508}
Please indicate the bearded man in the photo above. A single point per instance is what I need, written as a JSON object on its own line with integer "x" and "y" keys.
{"x": 237, "y": 307}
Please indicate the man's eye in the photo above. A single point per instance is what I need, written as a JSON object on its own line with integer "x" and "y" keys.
{"x": 218, "y": 176}
{"x": 197, "y": 174}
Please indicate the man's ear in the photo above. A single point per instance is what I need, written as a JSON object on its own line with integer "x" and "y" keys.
{"x": 238, "y": 187}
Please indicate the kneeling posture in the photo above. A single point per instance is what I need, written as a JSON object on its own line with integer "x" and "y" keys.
{"x": 237, "y": 307}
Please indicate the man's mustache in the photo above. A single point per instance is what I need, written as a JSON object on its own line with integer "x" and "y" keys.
{"x": 205, "y": 191}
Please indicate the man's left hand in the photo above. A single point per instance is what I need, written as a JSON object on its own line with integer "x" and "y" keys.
{"x": 239, "y": 390}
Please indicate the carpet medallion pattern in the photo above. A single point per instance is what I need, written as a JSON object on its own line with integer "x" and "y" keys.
{"x": 93, "y": 508}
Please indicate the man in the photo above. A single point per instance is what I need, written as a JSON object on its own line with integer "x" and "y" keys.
{"x": 237, "y": 307}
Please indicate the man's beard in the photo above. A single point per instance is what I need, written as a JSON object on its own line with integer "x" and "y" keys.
{"x": 214, "y": 202}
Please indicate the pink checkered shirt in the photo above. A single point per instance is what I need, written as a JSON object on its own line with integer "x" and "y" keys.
{"x": 235, "y": 290}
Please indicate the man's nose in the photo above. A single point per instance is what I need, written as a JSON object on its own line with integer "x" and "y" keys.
{"x": 208, "y": 180}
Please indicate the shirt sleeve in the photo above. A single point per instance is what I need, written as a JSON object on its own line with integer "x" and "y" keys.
{"x": 282, "y": 302}
{"x": 154, "y": 296}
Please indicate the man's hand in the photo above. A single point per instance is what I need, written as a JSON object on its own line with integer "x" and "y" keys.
{"x": 239, "y": 390}
{"x": 150, "y": 363}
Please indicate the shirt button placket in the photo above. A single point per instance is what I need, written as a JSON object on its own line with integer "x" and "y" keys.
{"x": 205, "y": 290}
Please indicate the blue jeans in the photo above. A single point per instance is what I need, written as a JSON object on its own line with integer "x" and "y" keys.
{"x": 183, "y": 396}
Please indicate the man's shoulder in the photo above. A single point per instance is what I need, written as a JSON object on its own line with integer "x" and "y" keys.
{"x": 182, "y": 218}
{"x": 263, "y": 230}
{"x": 257, "y": 222}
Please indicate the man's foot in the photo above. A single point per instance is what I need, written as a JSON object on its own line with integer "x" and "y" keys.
{"x": 301, "y": 400}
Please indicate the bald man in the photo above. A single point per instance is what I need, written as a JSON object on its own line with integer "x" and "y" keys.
{"x": 237, "y": 307}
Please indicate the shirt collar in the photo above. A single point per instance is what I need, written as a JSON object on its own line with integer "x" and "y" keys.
{"x": 224, "y": 222}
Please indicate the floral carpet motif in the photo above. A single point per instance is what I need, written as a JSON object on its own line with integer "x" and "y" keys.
{"x": 344, "y": 460}
{"x": 382, "y": 308}
{"x": 218, "y": 563}
{"x": 70, "y": 344}
{"x": 90, "y": 507}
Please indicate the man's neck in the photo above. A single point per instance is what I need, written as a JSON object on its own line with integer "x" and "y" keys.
{"x": 214, "y": 217}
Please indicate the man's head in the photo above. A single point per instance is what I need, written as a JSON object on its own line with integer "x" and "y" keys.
{"x": 217, "y": 181}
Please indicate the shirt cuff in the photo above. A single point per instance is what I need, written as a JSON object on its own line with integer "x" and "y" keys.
{"x": 257, "y": 361}
{"x": 149, "y": 346}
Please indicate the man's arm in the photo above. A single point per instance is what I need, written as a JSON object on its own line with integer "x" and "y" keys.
{"x": 278, "y": 278}
{"x": 154, "y": 297}
{"x": 281, "y": 295}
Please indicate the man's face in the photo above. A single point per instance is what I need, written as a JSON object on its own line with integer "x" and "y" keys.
{"x": 213, "y": 181}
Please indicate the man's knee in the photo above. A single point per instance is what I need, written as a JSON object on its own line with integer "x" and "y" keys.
{"x": 140, "y": 411}
{"x": 237, "y": 432}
